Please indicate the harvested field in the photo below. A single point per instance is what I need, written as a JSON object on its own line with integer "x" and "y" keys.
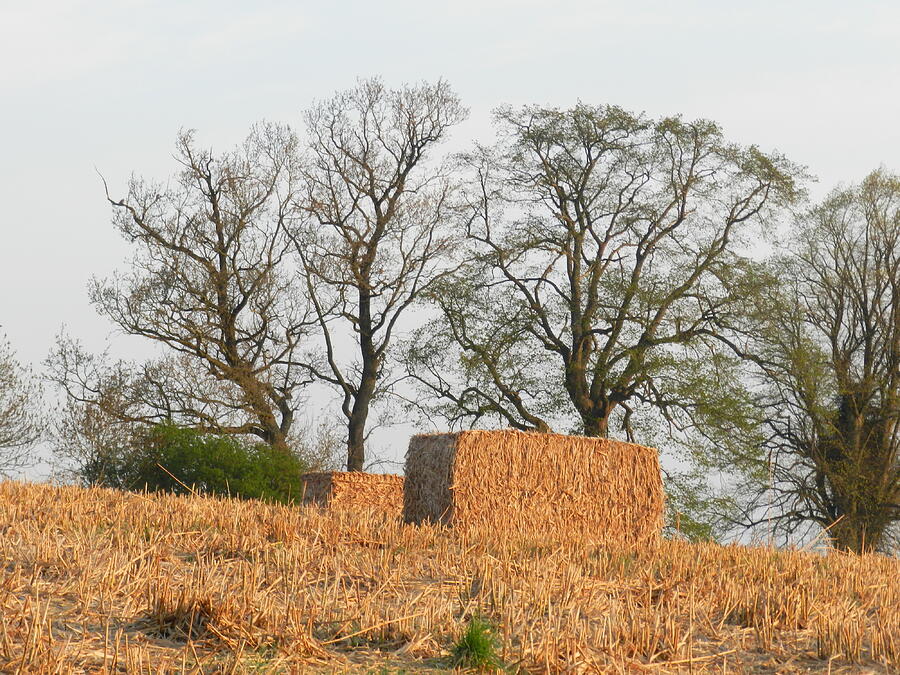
{"x": 103, "y": 581}
{"x": 356, "y": 490}
{"x": 548, "y": 486}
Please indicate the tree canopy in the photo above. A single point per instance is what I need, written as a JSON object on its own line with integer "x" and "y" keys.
{"x": 607, "y": 252}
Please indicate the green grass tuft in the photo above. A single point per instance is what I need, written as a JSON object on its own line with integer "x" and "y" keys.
{"x": 477, "y": 647}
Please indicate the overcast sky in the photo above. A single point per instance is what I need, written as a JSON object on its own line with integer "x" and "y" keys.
{"x": 105, "y": 86}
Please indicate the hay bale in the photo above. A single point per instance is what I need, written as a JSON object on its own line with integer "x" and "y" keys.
{"x": 354, "y": 489}
{"x": 544, "y": 485}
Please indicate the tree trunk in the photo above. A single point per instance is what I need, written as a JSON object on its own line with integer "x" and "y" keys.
{"x": 596, "y": 426}
{"x": 273, "y": 433}
{"x": 356, "y": 425}
{"x": 851, "y": 535}
{"x": 279, "y": 442}
{"x": 356, "y": 450}
{"x": 594, "y": 414}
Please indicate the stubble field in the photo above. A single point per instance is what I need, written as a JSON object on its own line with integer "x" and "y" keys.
{"x": 103, "y": 581}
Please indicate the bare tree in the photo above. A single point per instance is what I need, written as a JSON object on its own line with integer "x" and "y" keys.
{"x": 21, "y": 411}
{"x": 210, "y": 284}
{"x": 607, "y": 259}
{"x": 829, "y": 354}
{"x": 373, "y": 234}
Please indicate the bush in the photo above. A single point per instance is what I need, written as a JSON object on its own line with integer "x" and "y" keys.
{"x": 212, "y": 465}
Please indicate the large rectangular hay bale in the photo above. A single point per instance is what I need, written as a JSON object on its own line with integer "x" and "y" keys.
{"x": 546, "y": 485}
{"x": 354, "y": 489}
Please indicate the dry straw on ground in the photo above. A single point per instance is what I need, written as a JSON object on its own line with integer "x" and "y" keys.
{"x": 539, "y": 485}
{"x": 100, "y": 581}
{"x": 353, "y": 489}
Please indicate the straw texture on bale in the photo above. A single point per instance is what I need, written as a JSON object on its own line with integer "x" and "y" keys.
{"x": 354, "y": 489}
{"x": 546, "y": 485}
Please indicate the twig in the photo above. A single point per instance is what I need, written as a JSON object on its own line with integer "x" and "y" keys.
{"x": 808, "y": 546}
{"x": 695, "y": 658}
{"x": 366, "y": 630}
{"x": 176, "y": 479}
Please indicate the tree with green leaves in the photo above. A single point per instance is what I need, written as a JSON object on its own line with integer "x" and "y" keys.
{"x": 608, "y": 254}
{"x": 827, "y": 346}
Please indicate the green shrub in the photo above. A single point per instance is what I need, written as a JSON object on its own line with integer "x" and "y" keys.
{"x": 211, "y": 464}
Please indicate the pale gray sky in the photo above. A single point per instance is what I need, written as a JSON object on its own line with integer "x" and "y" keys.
{"x": 107, "y": 84}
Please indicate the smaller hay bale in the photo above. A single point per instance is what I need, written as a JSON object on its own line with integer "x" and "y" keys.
{"x": 354, "y": 489}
